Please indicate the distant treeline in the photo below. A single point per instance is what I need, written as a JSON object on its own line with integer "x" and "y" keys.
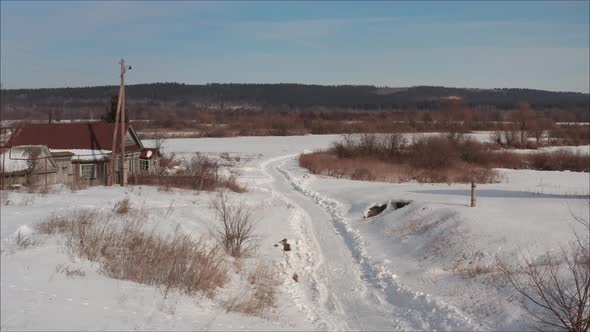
{"x": 285, "y": 97}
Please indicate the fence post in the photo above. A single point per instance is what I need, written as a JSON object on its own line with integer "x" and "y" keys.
{"x": 473, "y": 193}
{"x": 45, "y": 174}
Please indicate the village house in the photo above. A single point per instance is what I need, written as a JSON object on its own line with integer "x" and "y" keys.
{"x": 76, "y": 153}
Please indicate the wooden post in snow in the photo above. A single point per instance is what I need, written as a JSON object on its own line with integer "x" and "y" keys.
{"x": 120, "y": 115}
{"x": 473, "y": 193}
{"x": 123, "y": 171}
{"x": 111, "y": 176}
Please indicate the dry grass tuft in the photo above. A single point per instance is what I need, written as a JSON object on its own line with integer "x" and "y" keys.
{"x": 261, "y": 297}
{"x": 473, "y": 266}
{"x": 126, "y": 251}
{"x": 24, "y": 241}
{"x": 122, "y": 207}
{"x": 69, "y": 272}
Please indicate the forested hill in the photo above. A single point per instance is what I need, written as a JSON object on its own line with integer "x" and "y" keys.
{"x": 294, "y": 96}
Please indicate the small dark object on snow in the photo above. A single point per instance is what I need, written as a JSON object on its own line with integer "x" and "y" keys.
{"x": 286, "y": 246}
{"x": 375, "y": 210}
{"x": 276, "y": 245}
{"x": 400, "y": 204}
{"x": 296, "y": 277}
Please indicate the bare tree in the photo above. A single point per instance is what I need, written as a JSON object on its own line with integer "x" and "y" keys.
{"x": 159, "y": 142}
{"x": 235, "y": 228}
{"x": 524, "y": 118}
{"x": 558, "y": 287}
{"x": 368, "y": 143}
{"x": 394, "y": 144}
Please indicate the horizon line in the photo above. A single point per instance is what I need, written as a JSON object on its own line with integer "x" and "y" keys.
{"x": 299, "y": 83}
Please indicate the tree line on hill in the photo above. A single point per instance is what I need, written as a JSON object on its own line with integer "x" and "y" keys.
{"x": 290, "y": 97}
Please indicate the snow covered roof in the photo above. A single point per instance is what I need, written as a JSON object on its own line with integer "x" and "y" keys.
{"x": 85, "y": 154}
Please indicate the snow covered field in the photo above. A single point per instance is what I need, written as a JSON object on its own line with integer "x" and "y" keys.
{"x": 402, "y": 270}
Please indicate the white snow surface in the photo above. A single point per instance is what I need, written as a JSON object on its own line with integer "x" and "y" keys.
{"x": 391, "y": 272}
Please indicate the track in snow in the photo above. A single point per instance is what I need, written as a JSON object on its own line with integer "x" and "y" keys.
{"x": 341, "y": 288}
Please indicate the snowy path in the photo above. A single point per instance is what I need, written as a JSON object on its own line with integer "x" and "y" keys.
{"x": 342, "y": 289}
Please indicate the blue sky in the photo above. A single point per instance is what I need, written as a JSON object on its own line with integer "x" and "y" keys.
{"x": 542, "y": 45}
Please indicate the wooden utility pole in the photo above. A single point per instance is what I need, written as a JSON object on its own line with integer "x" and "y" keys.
{"x": 123, "y": 165}
{"x": 120, "y": 115}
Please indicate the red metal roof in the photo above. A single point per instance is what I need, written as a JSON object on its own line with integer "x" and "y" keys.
{"x": 91, "y": 135}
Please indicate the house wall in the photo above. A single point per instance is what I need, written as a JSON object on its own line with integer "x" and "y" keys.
{"x": 132, "y": 160}
{"x": 101, "y": 174}
{"x": 152, "y": 168}
{"x": 65, "y": 171}
{"x": 33, "y": 180}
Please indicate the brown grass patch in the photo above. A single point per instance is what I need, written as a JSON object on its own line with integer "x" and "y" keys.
{"x": 323, "y": 163}
{"x": 260, "y": 298}
{"x": 560, "y": 160}
{"x": 122, "y": 207}
{"x": 125, "y": 251}
{"x": 198, "y": 173}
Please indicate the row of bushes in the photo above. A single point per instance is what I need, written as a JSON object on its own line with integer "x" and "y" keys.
{"x": 450, "y": 158}
{"x": 559, "y": 160}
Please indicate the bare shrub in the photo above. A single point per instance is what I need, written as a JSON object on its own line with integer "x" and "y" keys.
{"x": 394, "y": 145}
{"x": 560, "y": 160}
{"x": 432, "y": 153}
{"x": 261, "y": 297}
{"x": 126, "y": 251}
{"x": 327, "y": 164}
{"x": 362, "y": 174}
{"x": 24, "y": 241}
{"x": 570, "y": 135}
{"x": 69, "y": 272}
{"x": 123, "y": 206}
{"x": 558, "y": 287}
{"x": 235, "y": 228}
{"x": 435, "y": 159}
{"x": 429, "y": 159}
{"x": 159, "y": 142}
{"x": 166, "y": 163}
{"x": 198, "y": 173}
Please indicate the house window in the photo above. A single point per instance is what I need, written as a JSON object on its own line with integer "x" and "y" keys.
{"x": 144, "y": 164}
{"x": 88, "y": 171}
